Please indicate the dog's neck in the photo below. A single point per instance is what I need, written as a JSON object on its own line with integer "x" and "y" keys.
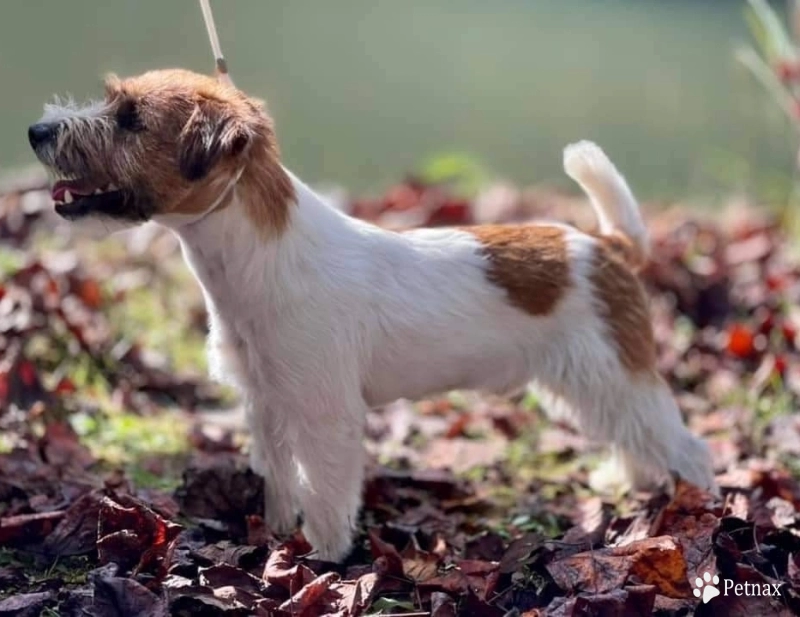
{"x": 235, "y": 261}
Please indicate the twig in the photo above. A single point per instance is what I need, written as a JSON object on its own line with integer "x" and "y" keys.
{"x": 752, "y": 61}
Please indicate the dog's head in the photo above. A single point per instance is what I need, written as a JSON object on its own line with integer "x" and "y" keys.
{"x": 167, "y": 142}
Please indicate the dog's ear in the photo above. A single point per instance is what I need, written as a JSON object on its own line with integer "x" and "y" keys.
{"x": 212, "y": 132}
{"x": 111, "y": 85}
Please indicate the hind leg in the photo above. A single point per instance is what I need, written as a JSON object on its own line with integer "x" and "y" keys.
{"x": 638, "y": 417}
{"x": 619, "y": 471}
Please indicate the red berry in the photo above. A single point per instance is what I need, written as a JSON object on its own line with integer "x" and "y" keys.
{"x": 741, "y": 341}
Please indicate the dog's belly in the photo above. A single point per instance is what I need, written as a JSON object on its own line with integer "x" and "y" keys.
{"x": 430, "y": 372}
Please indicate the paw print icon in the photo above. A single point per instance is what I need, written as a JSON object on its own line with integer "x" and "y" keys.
{"x": 706, "y": 587}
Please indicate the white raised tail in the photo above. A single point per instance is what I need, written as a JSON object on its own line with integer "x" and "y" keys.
{"x": 613, "y": 201}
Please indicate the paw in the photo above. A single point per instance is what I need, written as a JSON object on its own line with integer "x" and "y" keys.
{"x": 609, "y": 478}
{"x": 618, "y": 475}
{"x": 692, "y": 462}
{"x": 331, "y": 540}
{"x": 280, "y": 513}
{"x": 330, "y": 549}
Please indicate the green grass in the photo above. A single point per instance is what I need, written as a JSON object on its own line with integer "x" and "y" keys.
{"x": 72, "y": 570}
{"x": 152, "y": 450}
{"x": 160, "y": 319}
{"x": 10, "y": 262}
{"x": 389, "y": 606}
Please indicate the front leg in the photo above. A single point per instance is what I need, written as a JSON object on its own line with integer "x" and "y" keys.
{"x": 271, "y": 457}
{"x": 330, "y": 457}
{"x": 270, "y": 452}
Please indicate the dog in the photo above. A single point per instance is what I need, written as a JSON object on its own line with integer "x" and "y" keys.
{"x": 316, "y": 317}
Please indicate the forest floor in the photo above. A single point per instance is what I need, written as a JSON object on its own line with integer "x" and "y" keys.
{"x": 124, "y": 487}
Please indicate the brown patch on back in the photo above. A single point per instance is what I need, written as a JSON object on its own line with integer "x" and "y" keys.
{"x": 630, "y": 252}
{"x": 625, "y": 307}
{"x": 529, "y": 261}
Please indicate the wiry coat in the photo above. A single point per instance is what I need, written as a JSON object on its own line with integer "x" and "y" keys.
{"x": 315, "y": 316}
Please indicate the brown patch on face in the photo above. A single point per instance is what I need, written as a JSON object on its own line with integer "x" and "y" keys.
{"x": 529, "y": 261}
{"x": 268, "y": 194}
{"x": 174, "y": 140}
{"x": 624, "y": 308}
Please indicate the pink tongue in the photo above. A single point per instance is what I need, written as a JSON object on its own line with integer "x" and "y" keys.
{"x": 76, "y": 187}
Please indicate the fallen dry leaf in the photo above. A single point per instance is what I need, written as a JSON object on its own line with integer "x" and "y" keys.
{"x": 655, "y": 561}
{"x": 520, "y": 536}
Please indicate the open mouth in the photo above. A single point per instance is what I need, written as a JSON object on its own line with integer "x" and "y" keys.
{"x": 76, "y": 198}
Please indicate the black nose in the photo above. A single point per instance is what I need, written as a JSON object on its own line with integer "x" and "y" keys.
{"x": 41, "y": 133}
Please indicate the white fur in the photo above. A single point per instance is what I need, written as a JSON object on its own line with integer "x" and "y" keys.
{"x": 614, "y": 204}
{"x": 336, "y": 316}
{"x": 75, "y": 118}
{"x": 67, "y": 110}
{"x": 98, "y": 226}
{"x": 78, "y": 120}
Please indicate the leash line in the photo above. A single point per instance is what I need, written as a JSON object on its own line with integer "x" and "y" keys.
{"x": 213, "y": 38}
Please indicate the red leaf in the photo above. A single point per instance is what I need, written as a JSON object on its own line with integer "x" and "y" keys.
{"x": 281, "y": 569}
{"x": 789, "y": 332}
{"x": 385, "y": 555}
{"x": 133, "y": 534}
{"x": 451, "y": 213}
{"x": 401, "y": 197}
{"x": 90, "y": 293}
{"x": 310, "y": 594}
{"x": 4, "y": 389}
{"x": 787, "y": 70}
{"x": 27, "y": 373}
{"x": 27, "y": 528}
{"x": 65, "y": 386}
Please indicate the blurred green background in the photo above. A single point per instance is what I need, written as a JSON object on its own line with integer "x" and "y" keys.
{"x": 364, "y": 90}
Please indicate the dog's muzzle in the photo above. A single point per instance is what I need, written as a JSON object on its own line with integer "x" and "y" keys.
{"x": 42, "y": 134}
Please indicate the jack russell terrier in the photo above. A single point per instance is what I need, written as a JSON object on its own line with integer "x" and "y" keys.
{"x": 315, "y": 317}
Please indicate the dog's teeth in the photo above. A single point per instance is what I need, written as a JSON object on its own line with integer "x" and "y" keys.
{"x": 98, "y": 192}
{"x": 112, "y": 187}
{"x": 67, "y": 197}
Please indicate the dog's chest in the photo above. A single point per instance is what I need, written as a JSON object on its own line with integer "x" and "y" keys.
{"x": 254, "y": 344}
{"x": 238, "y": 326}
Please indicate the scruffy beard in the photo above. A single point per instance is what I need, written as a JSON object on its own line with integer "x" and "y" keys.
{"x": 83, "y": 185}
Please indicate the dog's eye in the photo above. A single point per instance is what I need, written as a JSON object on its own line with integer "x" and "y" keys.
{"x": 128, "y": 117}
